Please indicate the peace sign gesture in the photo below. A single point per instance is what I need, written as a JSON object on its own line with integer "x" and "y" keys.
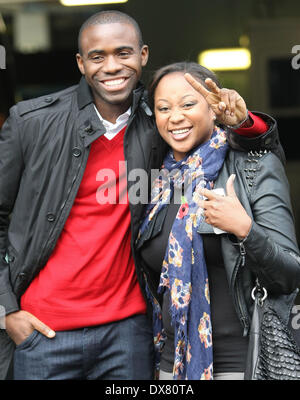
{"x": 229, "y": 107}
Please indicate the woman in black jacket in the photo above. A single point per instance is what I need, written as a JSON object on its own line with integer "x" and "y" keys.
{"x": 201, "y": 250}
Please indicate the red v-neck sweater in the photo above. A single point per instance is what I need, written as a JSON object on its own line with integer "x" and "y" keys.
{"x": 90, "y": 277}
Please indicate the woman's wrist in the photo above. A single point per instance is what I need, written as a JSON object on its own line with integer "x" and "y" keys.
{"x": 245, "y": 121}
{"x": 244, "y": 228}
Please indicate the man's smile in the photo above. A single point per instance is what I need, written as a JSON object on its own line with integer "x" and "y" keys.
{"x": 114, "y": 84}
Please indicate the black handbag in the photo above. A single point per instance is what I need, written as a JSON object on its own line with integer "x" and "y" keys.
{"x": 273, "y": 352}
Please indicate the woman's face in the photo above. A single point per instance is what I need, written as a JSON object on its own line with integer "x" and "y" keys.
{"x": 183, "y": 117}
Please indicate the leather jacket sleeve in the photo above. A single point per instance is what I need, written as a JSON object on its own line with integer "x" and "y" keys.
{"x": 271, "y": 244}
{"x": 11, "y": 167}
{"x": 267, "y": 141}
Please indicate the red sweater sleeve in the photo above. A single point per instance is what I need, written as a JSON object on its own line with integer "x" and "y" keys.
{"x": 258, "y": 127}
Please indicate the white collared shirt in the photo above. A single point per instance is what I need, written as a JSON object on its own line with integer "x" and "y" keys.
{"x": 113, "y": 129}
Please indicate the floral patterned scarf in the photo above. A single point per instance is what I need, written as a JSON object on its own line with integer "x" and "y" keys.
{"x": 184, "y": 273}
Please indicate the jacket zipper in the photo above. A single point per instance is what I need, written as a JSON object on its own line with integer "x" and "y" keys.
{"x": 237, "y": 291}
{"x": 242, "y": 253}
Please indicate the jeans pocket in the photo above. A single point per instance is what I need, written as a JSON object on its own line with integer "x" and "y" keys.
{"x": 28, "y": 341}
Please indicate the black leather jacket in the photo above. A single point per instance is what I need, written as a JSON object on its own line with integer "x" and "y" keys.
{"x": 270, "y": 252}
{"x": 44, "y": 147}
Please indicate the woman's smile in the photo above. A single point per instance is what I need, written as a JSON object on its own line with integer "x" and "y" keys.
{"x": 180, "y": 134}
{"x": 183, "y": 117}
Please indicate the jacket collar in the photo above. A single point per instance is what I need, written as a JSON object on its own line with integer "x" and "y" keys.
{"x": 85, "y": 96}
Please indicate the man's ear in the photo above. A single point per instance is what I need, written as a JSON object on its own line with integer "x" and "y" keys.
{"x": 80, "y": 63}
{"x": 144, "y": 55}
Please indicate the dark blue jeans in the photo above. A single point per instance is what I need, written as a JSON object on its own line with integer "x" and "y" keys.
{"x": 119, "y": 350}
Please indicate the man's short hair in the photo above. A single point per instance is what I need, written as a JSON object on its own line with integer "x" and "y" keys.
{"x": 110, "y": 17}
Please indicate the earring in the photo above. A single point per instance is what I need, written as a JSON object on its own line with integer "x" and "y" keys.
{"x": 214, "y": 117}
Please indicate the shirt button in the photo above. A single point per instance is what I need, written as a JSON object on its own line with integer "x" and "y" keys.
{"x": 50, "y": 217}
{"x": 22, "y": 275}
{"x": 11, "y": 259}
{"x": 76, "y": 152}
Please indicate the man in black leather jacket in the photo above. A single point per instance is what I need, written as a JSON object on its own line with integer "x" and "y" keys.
{"x": 45, "y": 146}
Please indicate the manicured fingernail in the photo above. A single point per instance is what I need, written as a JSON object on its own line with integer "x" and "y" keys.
{"x": 227, "y": 112}
{"x": 51, "y": 334}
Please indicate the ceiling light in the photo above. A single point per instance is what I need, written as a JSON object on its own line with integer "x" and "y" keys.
{"x": 89, "y": 2}
{"x": 225, "y": 59}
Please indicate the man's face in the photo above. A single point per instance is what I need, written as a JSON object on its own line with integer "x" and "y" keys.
{"x": 111, "y": 61}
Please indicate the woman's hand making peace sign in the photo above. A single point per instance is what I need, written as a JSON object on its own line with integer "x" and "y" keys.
{"x": 229, "y": 107}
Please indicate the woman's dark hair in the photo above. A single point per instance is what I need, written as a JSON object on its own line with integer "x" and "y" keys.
{"x": 196, "y": 70}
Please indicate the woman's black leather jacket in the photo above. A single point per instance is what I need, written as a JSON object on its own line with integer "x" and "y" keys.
{"x": 269, "y": 252}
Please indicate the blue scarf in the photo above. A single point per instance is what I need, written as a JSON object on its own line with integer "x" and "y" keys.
{"x": 184, "y": 273}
